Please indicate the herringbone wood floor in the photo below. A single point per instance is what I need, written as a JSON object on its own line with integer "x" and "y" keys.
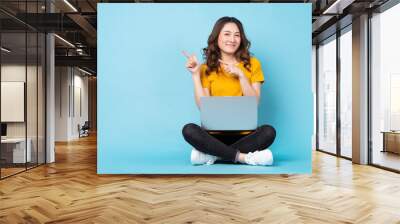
{"x": 70, "y": 191}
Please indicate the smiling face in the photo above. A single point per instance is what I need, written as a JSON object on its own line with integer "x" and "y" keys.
{"x": 229, "y": 38}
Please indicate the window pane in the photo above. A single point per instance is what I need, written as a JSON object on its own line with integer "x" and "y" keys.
{"x": 386, "y": 88}
{"x": 346, "y": 94}
{"x": 327, "y": 97}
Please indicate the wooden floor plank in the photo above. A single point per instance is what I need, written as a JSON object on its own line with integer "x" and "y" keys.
{"x": 70, "y": 191}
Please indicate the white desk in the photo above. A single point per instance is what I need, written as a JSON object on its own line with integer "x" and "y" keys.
{"x": 19, "y": 149}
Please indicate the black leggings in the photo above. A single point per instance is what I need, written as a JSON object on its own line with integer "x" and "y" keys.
{"x": 227, "y": 145}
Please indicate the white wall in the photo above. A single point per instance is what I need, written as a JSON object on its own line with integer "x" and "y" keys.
{"x": 15, "y": 72}
{"x": 10, "y": 73}
{"x": 71, "y": 94}
{"x": 79, "y": 112}
{"x": 62, "y": 81}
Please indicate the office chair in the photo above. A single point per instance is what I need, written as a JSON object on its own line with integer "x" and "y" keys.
{"x": 84, "y": 130}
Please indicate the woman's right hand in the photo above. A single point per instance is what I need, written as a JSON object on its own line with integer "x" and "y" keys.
{"x": 192, "y": 63}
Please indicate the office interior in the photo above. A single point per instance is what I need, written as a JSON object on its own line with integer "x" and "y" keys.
{"x": 49, "y": 74}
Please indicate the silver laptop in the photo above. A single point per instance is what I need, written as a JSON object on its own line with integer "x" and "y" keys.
{"x": 228, "y": 113}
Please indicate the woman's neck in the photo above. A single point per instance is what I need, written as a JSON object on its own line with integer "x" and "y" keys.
{"x": 228, "y": 58}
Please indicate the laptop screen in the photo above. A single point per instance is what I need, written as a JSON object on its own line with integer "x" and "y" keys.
{"x": 229, "y": 113}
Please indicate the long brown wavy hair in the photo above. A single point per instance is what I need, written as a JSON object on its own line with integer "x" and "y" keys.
{"x": 212, "y": 53}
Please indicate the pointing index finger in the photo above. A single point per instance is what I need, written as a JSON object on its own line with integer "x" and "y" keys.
{"x": 186, "y": 54}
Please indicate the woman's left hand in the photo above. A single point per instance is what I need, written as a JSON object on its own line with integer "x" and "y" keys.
{"x": 232, "y": 69}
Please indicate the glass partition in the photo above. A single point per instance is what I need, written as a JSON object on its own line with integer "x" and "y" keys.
{"x": 22, "y": 77}
{"x": 14, "y": 153}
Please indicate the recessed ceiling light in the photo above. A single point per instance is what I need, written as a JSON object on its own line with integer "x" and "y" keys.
{"x": 70, "y": 5}
{"x": 5, "y": 50}
{"x": 64, "y": 40}
{"x": 338, "y": 6}
{"x": 84, "y": 71}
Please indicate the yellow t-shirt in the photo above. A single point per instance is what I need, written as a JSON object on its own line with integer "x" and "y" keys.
{"x": 223, "y": 84}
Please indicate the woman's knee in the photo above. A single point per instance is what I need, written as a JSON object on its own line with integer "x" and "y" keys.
{"x": 189, "y": 130}
{"x": 268, "y": 132}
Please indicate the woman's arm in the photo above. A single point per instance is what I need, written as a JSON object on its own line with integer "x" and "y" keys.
{"x": 249, "y": 89}
{"x": 193, "y": 66}
{"x": 199, "y": 91}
